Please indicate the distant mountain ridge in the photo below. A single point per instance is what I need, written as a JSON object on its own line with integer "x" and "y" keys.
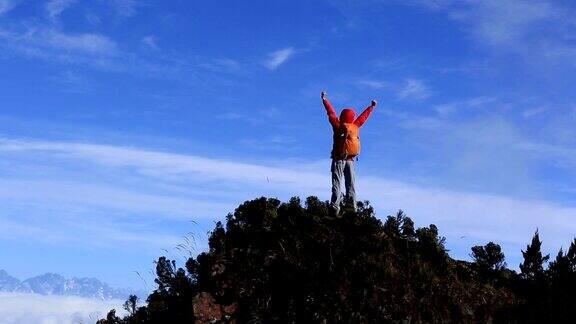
{"x": 55, "y": 284}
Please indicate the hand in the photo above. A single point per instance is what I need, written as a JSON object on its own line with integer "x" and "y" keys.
{"x": 374, "y": 103}
{"x": 323, "y": 94}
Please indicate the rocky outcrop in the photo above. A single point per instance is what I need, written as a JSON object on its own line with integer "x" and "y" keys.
{"x": 206, "y": 310}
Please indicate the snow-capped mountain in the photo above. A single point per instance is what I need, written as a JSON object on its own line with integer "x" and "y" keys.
{"x": 8, "y": 283}
{"x": 55, "y": 284}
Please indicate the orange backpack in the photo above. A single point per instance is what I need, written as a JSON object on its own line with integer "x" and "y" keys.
{"x": 348, "y": 140}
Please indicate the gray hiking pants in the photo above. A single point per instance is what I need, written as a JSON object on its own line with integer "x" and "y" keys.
{"x": 343, "y": 169}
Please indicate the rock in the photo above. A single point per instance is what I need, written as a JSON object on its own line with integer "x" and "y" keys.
{"x": 206, "y": 310}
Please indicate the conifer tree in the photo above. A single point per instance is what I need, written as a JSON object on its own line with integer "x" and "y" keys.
{"x": 408, "y": 230}
{"x": 560, "y": 268}
{"x": 571, "y": 255}
{"x": 533, "y": 265}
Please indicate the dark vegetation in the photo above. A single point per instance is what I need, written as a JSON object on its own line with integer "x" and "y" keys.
{"x": 276, "y": 262}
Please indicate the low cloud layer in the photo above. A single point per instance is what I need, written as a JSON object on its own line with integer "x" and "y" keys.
{"x": 17, "y": 308}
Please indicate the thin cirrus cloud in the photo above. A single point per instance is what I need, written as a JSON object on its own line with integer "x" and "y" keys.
{"x": 498, "y": 22}
{"x": 539, "y": 30}
{"x": 164, "y": 164}
{"x": 55, "y": 7}
{"x": 279, "y": 57}
{"x": 150, "y": 41}
{"x": 44, "y": 38}
{"x": 126, "y": 8}
{"x": 447, "y": 109}
{"x": 414, "y": 89}
{"x": 222, "y": 65}
{"x": 83, "y": 231}
{"x": 456, "y": 213}
{"x": 53, "y": 43}
{"x": 508, "y": 22}
{"x": 123, "y": 8}
{"x": 92, "y": 44}
{"x": 6, "y": 5}
{"x": 373, "y": 84}
{"x": 47, "y": 37}
{"x": 73, "y": 193}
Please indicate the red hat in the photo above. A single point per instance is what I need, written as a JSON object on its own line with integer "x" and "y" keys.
{"x": 347, "y": 115}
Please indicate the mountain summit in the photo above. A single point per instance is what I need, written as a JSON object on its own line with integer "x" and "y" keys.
{"x": 289, "y": 263}
{"x": 276, "y": 262}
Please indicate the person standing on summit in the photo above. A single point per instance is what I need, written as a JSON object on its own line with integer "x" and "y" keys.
{"x": 345, "y": 149}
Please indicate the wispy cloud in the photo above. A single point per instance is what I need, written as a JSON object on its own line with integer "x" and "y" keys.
{"x": 6, "y": 5}
{"x": 100, "y": 196}
{"x": 85, "y": 232}
{"x": 48, "y": 42}
{"x": 279, "y": 57}
{"x": 508, "y": 22}
{"x": 92, "y": 44}
{"x": 458, "y": 213}
{"x": 463, "y": 105}
{"x": 150, "y": 41}
{"x": 18, "y": 308}
{"x": 43, "y": 37}
{"x": 532, "y": 112}
{"x": 125, "y": 8}
{"x": 47, "y": 37}
{"x": 539, "y": 30}
{"x": 54, "y": 44}
{"x": 56, "y": 7}
{"x": 222, "y": 65}
{"x": 71, "y": 81}
{"x": 414, "y": 89}
{"x": 374, "y": 84}
{"x": 164, "y": 164}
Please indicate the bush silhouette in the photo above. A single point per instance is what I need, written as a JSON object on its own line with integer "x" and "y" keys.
{"x": 274, "y": 262}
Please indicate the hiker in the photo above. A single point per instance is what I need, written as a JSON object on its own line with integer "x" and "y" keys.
{"x": 345, "y": 150}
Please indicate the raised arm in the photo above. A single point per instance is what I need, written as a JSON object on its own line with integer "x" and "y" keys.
{"x": 365, "y": 114}
{"x": 332, "y": 117}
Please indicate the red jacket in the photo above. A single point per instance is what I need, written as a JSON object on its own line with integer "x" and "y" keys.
{"x": 346, "y": 116}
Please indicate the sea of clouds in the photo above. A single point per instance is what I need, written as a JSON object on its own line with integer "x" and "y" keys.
{"x": 22, "y": 308}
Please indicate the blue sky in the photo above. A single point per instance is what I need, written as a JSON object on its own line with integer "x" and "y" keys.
{"x": 130, "y": 125}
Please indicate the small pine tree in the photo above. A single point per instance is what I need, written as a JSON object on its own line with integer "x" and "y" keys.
{"x": 111, "y": 318}
{"x": 488, "y": 258}
{"x": 130, "y": 305}
{"x": 560, "y": 267}
{"x": 533, "y": 265}
{"x": 571, "y": 255}
{"x": 408, "y": 230}
{"x": 393, "y": 223}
